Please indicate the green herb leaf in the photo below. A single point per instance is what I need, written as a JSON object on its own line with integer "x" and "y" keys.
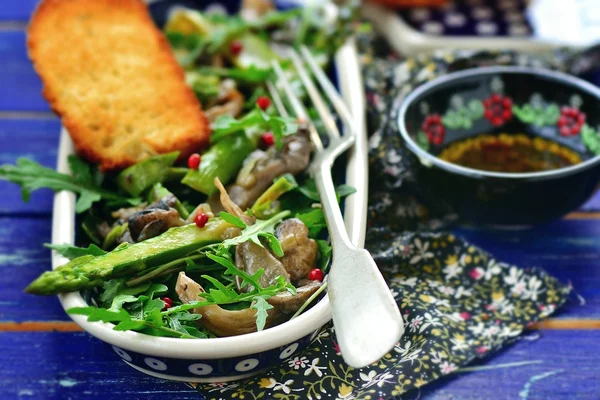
{"x": 232, "y": 219}
{"x": 314, "y": 221}
{"x": 222, "y": 294}
{"x": 309, "y": 190}
{"x": 252, "y": 74}
{"x": 262, "y": 307}
{"x": 226, "y": 124}
{"x": 251, "y": 233}
{"x": 273, "y": 243}
{"x": 344, "y": 190}
{"x": 99, "y": 314}
{"x": 71, "y": 252}
{"x": 130, "y": 325}
{"x": 325, "y": 250}
{"x": 32, "y": 176}
{"x": 233, "y": 270}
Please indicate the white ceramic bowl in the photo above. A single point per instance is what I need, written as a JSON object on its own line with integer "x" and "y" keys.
{"x": 230, "y": 358}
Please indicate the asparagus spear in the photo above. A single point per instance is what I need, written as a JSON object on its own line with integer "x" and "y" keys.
{"x": 222, "y": 160}
{"x": 127, "y": 260}
{"x": 267, "y": 205}
{"x": 139, "y": 177}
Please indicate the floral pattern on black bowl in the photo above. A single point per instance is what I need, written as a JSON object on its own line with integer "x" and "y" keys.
{"x": 492, "y": 100}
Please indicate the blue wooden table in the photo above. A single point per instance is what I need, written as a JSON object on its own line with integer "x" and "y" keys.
{"x": 44, "y": 355}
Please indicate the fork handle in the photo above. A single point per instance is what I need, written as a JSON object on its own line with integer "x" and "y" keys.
{"x": 331, "y": 208}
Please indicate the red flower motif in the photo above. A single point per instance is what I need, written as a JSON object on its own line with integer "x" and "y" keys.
{"x": 476, "y": 273}
{"x": 570, "y": 121}
{"x": 465, "y": 316}
{"x": 481, "y": 350}
{"x": 498, "y": 109}
{"x": 336, "y": 347}
{"x": 433, "y": 128}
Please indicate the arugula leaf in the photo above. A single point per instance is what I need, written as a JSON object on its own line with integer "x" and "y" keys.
{"x": 111, "y": 289}
{"x": 222, "y": 294}
{"x": 205, "y": 85}
{"x": 273, "y": 243}
{"x": 71, "y": 252}
{"x": 130, "y": 325}
{"x": 256, "y": 121}
{"x": 226, "y": 124}
{"x": 309, "y": 189}
{"x": 314, "y": 221}
{"x": 231, "y": 269}
{"x": 325, "y": 250}
{"x": 123, "y": 294}
{"x": 261, "y": 306}
{"x": 99, "y": 314}
{"x": 251, "y": 233}
{"x": 251, "y": 75}
{"x": 344, "y": 190}
{"x": 232, "y": 219}
{"x": 32, "y": 176}
{"x": 119, "y": 300}
{"x": 180, "y": 322}
{"x": 279, "y": 126}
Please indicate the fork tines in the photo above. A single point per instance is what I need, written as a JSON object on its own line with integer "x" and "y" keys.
{"x": 300, "y": 61}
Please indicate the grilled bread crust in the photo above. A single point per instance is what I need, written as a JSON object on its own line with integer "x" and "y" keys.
{"x": 110, "y": 75}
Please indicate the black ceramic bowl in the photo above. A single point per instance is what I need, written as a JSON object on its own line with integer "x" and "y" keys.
{"x": 513, "y": 100}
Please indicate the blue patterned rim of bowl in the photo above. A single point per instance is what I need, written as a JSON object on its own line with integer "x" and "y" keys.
{"x": 206, "y": 370}
{"x": 476, "y": 101}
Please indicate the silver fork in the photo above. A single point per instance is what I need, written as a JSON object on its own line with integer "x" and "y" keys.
{"x": 365, "y": 315}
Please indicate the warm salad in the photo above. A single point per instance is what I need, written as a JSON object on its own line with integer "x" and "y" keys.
{"x": 232, "y": 241}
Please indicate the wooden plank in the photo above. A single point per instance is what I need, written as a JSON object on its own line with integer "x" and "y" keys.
{"x": 583, "y": 215}
{"x": 558, "y": 365}
{"x": 35, "y": 139}
{"x": 22, "y": 91}
{"x": 75, "y": 365}
{"x": 37, "y": 326}
{"x": 17, "y": 10}
{"x": 22, "y": 259}
{"x": 554, "y": 324}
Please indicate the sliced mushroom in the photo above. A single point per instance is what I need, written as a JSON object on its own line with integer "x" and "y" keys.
{"x": 150, "y": 223}
{"x": 157, "y": 218}
{"x": 230, "y": 206}
{"x": 219, "y": 321}
{"x": 229, "y": 102}
{"x": 250, "y": 257}
{"x": 123, "y": 214}
{"x": 264, "y": 167}
{"x": 289, "y": 303}
{"x": 300, "y": 251}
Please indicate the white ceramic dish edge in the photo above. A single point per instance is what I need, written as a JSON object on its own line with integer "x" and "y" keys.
{"x": 63, "y": 231}
{"x": 409, "y": 42}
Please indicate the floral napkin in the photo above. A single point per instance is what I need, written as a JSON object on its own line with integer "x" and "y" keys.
{"x": 458, "y": 302}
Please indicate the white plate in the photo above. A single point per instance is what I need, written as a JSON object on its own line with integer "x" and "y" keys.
{"x": 63, "y": 231}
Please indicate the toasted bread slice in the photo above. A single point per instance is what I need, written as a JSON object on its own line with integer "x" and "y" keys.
{"x": 111, "y": 76}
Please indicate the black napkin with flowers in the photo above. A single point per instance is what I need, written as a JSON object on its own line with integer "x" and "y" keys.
{"x": 458, "y": 302}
